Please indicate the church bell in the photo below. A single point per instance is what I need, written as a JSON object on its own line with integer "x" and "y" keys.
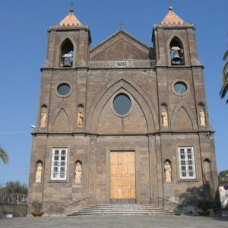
{"x": 176, "y": 56}
{"x": 67, "y": 60}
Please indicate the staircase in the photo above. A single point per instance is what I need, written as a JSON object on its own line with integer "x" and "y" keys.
{"x": 122, "y": 209}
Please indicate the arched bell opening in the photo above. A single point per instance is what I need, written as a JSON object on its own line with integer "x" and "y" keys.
{"x": 176, "y": 52}
{"x": 67, "y": 53}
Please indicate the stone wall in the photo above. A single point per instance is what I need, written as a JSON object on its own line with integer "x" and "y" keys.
{"x": 15, "y": 210}
{"x": 151, "y": 91}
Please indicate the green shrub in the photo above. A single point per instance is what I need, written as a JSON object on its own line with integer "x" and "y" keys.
{"x": 37, "y": 205}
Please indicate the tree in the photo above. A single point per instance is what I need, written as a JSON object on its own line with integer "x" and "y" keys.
{"x": 3, "y": 155}
{"x": 224, "y": 173}
{"x": 224, "y": 88}
{"x": 13, "y": 191}
{"x": 15, "y": 187}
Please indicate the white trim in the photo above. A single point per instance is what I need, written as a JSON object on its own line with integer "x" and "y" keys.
{"x": 186, "y": 162}
{"x": 57, "y": 164}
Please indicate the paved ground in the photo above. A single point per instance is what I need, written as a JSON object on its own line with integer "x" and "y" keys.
{"x": 115, "y": 221}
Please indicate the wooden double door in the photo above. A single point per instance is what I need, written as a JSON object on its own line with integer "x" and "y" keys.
{"x": 122, "y": 165}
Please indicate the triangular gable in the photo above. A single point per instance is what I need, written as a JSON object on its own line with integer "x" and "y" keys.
{"x": 120, "y": 46}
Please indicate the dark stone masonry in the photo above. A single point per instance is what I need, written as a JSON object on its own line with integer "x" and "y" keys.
{"x": 122, "y": 122}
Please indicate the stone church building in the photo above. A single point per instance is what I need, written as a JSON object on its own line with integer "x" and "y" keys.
{"x": 122, "y": 122}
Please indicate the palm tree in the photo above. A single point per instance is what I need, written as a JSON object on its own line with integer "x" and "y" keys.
{"x": 224, "y": 88}
{"x": 3, "y": 155}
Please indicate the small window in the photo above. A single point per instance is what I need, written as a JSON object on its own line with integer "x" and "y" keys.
{"x": 186, "y": 163}
{"x": 122, "y": 104}
{"x": 59, "y": 164}
{"x": 63, "y": 89}
{"x": 180, "y": 88}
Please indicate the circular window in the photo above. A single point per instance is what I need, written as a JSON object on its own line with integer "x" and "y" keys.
{"x": 122, "y": 104}
{"x": 180, "y": 87}
{"x": 63, "y": 89}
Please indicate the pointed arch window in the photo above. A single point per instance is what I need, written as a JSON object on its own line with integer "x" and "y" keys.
{"x": 67, "y": 53}
{"x": 176, "y": 52}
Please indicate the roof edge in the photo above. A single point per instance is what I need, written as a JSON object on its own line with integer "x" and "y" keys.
{"x": 115, "y": 34}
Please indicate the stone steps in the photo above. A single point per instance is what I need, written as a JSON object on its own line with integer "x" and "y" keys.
{"x": 122, "y": 209}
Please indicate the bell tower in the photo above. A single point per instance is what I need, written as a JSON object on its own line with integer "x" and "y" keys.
{"x": 61, "y": 112}
{"x": 181, "y": 96}
{"x": 68, "y": 44}
{"x": 63, "y": 73}
{"x": 175, "y": 42}
{"x": 178, "y": 66}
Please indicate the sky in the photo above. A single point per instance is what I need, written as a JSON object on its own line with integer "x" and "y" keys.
{"x": 23, "y": 43}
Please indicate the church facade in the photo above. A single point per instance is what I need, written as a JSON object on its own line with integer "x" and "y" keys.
{"x": 121, "y": 122}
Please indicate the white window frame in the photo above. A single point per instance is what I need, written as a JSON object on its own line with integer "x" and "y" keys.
{"x": 186, "y": 162}
{"x": 58, "y": 163}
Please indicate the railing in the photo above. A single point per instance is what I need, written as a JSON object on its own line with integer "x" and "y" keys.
{"x": 169, "y": 201}
{"x": 74, "y": 206}
{"x": 13, "y": 199}
{"x": 123, "y": 64}
{"x": 168, "y": 204}
{"x": 75, "y": 202}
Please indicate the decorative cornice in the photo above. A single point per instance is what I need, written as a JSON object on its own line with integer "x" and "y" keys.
{"x": 208, "y": 132}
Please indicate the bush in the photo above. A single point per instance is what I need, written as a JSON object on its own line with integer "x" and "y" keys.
{"x": 223, "y": 173}
{"x": 37, "y": 205}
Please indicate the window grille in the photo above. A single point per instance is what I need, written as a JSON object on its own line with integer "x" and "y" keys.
{"x": 59, "y": 164}
{"x": 186, "y": 163}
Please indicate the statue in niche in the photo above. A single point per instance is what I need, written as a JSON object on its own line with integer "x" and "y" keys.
{"x": 202, "y": 117}
{"x": 78, "y": 173}
{"x": 168, "y": 171}
{"x": 80, "y": 118}
{"x": 164, "y": 116}
{"x": 43, "y": 117}
{"x": 39, "y": 171}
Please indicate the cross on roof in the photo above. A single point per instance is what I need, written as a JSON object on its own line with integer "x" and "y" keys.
{"x": 170, "y": 6}
{"x": 72, "y": 6}
{"x": 121, "y": 24}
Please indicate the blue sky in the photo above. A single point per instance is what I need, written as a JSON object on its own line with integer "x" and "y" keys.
{"x": 23, "y": 43}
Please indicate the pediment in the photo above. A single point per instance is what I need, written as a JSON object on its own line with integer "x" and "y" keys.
{"x": 120, "y": 46}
